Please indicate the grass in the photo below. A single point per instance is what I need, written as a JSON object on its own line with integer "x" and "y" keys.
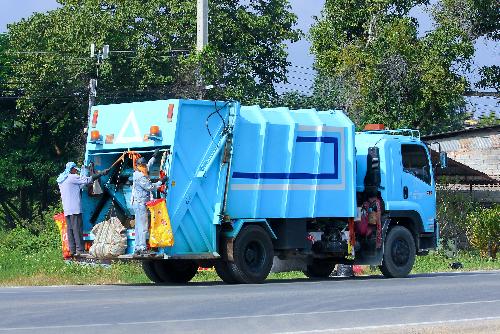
{"x": 47, "y": 268}
{"x": 437, "y": 262}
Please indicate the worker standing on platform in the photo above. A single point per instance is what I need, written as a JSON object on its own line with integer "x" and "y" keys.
{"x": 141, "y": 194}
{"x": 70, "y": 184}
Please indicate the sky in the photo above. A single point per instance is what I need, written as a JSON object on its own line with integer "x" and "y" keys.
{"x": 300, "y": 73}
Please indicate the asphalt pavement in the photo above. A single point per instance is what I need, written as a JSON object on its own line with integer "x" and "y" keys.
{"x": 433, "y": 303}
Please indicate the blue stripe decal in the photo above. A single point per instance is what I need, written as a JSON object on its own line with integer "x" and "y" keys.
{"x": 286, "y": 176}
{"x": 328, "y": 140}
{"x": 300, "y": 176}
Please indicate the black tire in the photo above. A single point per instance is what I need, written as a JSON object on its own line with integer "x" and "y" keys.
{"x": 253, "y": 255}
{"x": 399, "y": 253}
{"x": 175, "y": 271}
{"x": 224, "y": 272}
{"x": 319, "y": 269}
{"x": 149, "y": 270}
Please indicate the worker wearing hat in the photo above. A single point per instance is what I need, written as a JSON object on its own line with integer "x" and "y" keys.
{"x": 70, "y": 184}
{"x": 141, "y": 194}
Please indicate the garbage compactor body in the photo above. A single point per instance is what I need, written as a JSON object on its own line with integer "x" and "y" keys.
{"x": 226, "y": 164}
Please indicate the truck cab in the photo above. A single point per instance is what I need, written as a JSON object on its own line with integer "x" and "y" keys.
{"x": 396, "y": 166}
{"x": 407, "y": 185}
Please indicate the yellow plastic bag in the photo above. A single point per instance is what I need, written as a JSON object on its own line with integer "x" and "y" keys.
{"x": 160, "y": 232}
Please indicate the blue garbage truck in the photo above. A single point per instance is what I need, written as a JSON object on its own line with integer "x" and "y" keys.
{"x": 248, "y": 184}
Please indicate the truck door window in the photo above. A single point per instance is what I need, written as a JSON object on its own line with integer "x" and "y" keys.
{"x": 416, "y": 162}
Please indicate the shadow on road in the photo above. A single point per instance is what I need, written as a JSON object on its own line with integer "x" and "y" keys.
{"x": 330, "y": 279}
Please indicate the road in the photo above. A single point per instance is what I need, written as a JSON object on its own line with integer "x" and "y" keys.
{"x": 434, "y": 303}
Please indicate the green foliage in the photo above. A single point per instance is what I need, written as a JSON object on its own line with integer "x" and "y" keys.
{"x": 483, "y": 230}
{"x": 475, "y": 18}
{"x": 452, "y": 208}
{"x": 439, "y": 262}
{"x": 385, "y": 72}
{"x": 293, "y": 100}
{"x": 490, "y": 77}
{"x": 328, "y": 95}
{"x": 50, "y": 66}
{"x": 489, "y": 120}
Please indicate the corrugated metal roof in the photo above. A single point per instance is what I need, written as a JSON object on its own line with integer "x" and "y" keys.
{"x": 460, "y": 173}
{"x": 459, "y": 132}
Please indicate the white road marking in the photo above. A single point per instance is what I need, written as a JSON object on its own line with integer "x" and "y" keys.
{"x": 425, "y": 323}
{"x": 251, "y": 316}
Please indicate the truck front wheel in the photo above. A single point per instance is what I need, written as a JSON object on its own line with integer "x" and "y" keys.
{"x": 253, "y": 255}
{"x": 399, "y": 253}
{"x": 175, "y": 271}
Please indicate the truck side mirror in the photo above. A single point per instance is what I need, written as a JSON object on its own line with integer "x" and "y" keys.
{"x": 443, "y": 159}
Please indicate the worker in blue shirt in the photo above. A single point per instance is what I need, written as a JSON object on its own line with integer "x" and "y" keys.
{"x": 141, "y": 194}
{"x": 70, "y": 184}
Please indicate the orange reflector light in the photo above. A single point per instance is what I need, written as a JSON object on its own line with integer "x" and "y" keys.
{"x": 95, "y": 135}
{"x": 374, "y": 127}
{"x": 154, "y": 130}
{"x": 170, "y": 114}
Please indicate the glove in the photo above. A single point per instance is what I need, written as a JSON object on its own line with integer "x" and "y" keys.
{"x": 157, "y": 184}
{"x": 99, "y": 174}
{"x": 156, "y": 153}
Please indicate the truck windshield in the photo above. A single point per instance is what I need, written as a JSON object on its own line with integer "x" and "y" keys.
{"x": 416, "y": 162}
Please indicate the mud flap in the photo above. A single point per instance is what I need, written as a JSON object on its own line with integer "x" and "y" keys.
{"x": 373, "y": 256}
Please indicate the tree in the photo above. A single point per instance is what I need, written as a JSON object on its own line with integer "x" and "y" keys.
{"x": 8, "y": 211}
{"x": 490, "y": 77}
{"x": 476, "y": 18}
{"x": 51, "y": 69}
{"x": 483, "y": 230}
{"x": 386, "y": 72}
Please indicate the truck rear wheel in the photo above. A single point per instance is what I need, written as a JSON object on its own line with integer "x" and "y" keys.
{"x": 319, "y": 269}
{"x": 224, "y": 272}
{"x": 149, "y": 269}
{"x": 253, "y": 255}
{"x": 399, "y": 253}
{"x": 175, "y": 271}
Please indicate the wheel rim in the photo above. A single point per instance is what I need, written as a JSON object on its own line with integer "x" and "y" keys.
{"x": 254, "y": 256}
{"x": 400, "y": 252}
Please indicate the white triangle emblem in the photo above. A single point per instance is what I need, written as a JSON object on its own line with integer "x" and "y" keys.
{"x": 130, "y": 121}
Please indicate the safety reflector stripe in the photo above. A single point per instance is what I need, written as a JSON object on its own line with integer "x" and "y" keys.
{"x": 320, "y": 128}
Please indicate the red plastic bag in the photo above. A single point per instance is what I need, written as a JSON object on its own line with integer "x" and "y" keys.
{"x": 63, "y": 231}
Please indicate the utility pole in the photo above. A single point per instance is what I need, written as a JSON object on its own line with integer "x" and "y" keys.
{"x": 201, "y": 37}
{"x": 92, "y": 94}
{"x": 201, "y": 24}
{"x": 100, "y": 56}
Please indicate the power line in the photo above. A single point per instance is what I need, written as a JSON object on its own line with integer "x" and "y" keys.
{"x": 303, "y": 67}
{"x": 482, "y": 94}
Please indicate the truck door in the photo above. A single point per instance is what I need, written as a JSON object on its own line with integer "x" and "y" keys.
{"x": 418, "y": 184}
